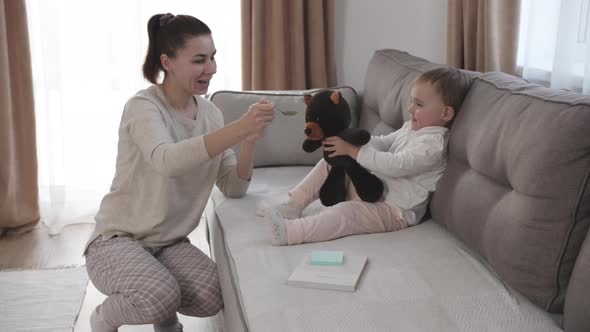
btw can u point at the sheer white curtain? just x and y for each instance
(553, 45)
(87, 58)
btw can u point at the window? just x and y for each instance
(86, 59)
(553, 43)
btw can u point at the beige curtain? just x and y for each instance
(288, 44)
(482, 35)
(19, 202)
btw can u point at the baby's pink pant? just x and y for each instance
(352, 216)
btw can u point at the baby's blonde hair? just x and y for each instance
(450, 83)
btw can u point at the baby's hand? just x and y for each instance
(340, 147)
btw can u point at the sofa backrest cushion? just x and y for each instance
(516, 184)
(386, 95)
(576, 316)
(289, 129)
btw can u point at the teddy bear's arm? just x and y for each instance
(355, 136)
(311, 145)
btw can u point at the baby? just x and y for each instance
(409, 161)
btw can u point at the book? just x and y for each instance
(343, 277)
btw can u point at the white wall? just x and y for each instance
(417, 27)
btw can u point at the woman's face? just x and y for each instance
(194, 65)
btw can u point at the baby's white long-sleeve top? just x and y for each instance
(410, 163)
(164, 174)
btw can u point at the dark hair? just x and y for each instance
(168, 33)
(450, 83)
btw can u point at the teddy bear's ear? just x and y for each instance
(307, 99)
(335, 97)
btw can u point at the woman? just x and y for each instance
(173, 147)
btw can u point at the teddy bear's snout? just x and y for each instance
(313, 131)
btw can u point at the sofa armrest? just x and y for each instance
(282, 142)
(576, 316)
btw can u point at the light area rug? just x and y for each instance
(41, 300)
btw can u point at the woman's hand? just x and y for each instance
(340, 147)
(252, 138)
(258, 117)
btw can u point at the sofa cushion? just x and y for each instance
(577, 302)
(386, 98)
(516, 184)
(418, 279)
(287, 150)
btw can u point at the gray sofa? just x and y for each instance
(506, 247)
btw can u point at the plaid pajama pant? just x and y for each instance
(149, 285)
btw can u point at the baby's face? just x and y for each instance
(427, 107)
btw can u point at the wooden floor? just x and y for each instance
(38, 250)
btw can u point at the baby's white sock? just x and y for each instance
(277, 226)
(97, 322)
(288, 208)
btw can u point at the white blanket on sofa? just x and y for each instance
(417, 279)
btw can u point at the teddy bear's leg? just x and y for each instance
(333, 191)
(368, 186)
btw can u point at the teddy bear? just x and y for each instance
(328, 114)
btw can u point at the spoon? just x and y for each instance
(288, 113)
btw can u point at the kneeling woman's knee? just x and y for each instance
(159, 301)
(205, 294)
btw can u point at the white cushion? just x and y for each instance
(282, 143)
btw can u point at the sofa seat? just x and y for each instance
(418, 279)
